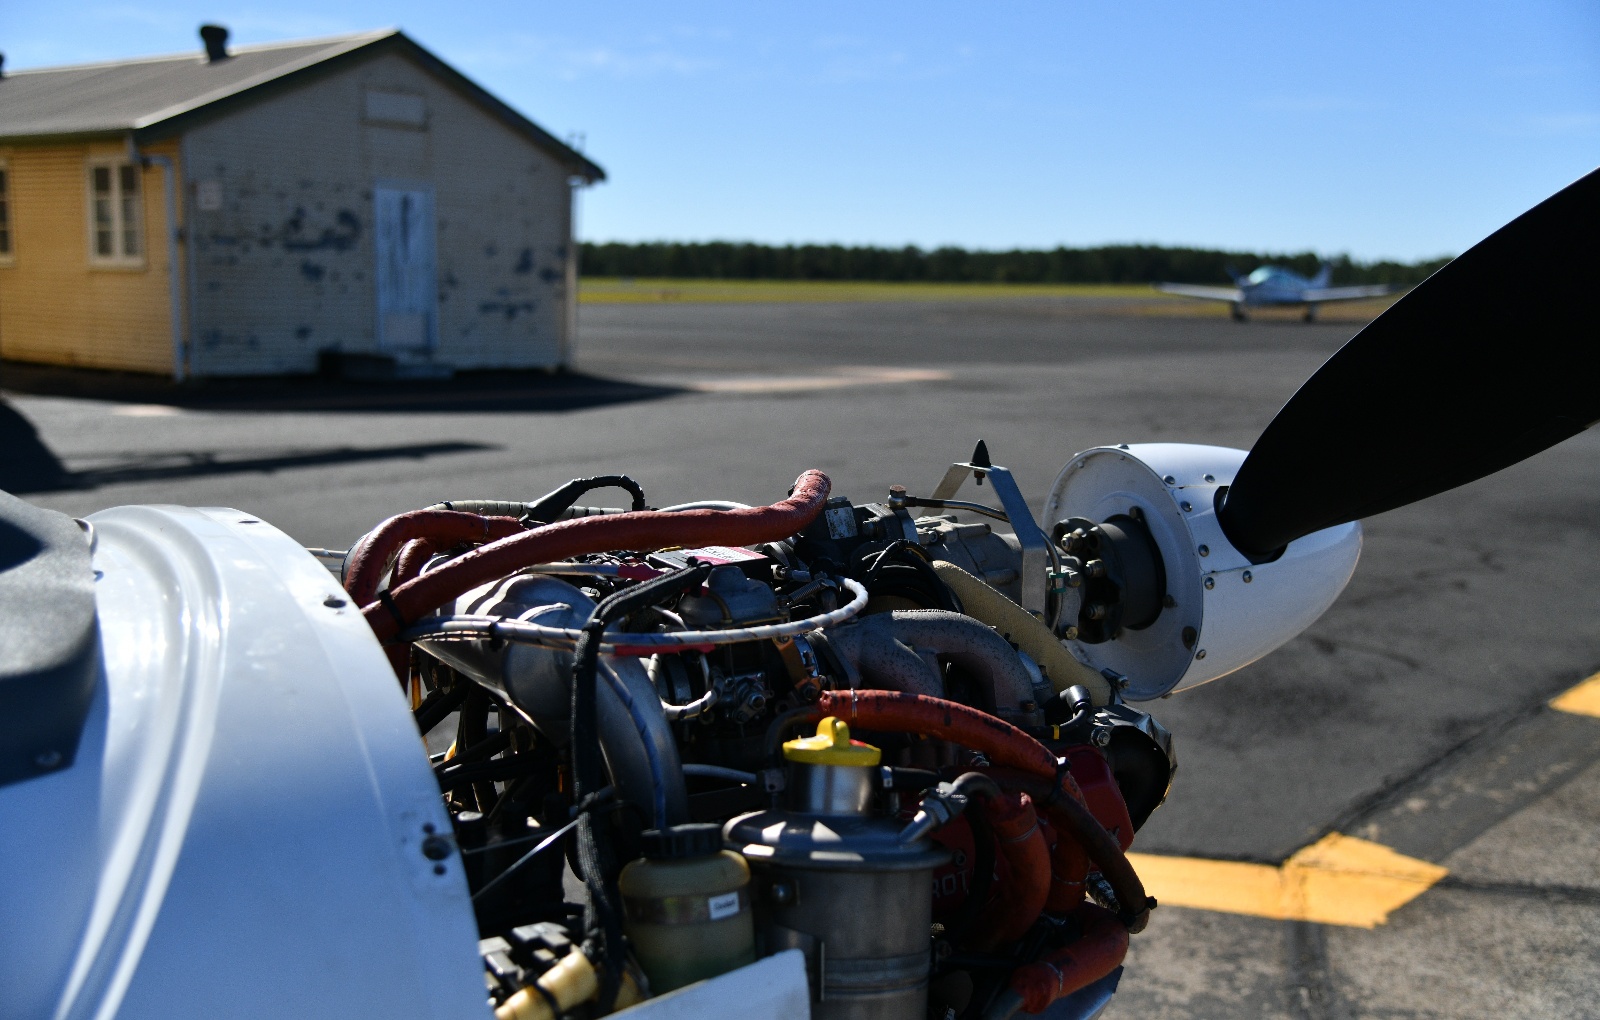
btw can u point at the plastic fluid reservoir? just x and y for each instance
(687, 907)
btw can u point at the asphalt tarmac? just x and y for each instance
(1414, 714)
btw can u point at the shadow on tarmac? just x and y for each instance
(28, 465)
(503, 390)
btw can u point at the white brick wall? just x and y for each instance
(285, 267)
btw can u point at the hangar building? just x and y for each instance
(253, 211)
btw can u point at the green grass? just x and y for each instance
(612, 290)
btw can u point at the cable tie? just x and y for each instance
(544, 993)
(1063, 772)
(387, 601)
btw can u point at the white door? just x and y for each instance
(408, 292)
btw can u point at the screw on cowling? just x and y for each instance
(436, 848)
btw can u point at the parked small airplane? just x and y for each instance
(1275, 285)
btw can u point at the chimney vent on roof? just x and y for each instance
(216, 40)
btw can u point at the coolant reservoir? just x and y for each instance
(688, 907)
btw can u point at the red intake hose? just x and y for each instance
(1098, 952)
(440, 528)
(643, 529)
(1004, 745)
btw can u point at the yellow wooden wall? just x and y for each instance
(55, 308)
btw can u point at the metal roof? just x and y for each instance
(156, 97)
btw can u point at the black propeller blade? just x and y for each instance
(1490, 360)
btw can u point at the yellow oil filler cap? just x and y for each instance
(831, 746)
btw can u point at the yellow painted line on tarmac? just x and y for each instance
(803, 383)
(1337, 880)
(1583, 699)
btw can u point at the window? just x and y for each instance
(116, 213)
(5, 213)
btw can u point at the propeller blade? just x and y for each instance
(1490, 360)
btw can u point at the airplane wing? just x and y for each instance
(1197, 291)
(1347, 293)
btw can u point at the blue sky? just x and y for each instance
(1391, 129)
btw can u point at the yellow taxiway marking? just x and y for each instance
(801, 383)
(1336, 880)
(1583, 699)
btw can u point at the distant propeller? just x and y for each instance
(1490, 360)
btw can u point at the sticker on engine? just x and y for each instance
(713, 554)
(722, 906)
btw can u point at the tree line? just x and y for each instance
(1115, 263)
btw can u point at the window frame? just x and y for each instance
(119, 259)
(8, 216)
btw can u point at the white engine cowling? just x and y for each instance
(1223, 611)
(250, 826)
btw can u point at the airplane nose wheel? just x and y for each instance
(1311, 313)
(1238, 312)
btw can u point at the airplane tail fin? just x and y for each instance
(1324, 275)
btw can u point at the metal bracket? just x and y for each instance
(1036, 559)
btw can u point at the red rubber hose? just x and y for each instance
(1008, 747)
(443, 528)
(644, 529)
(1069, 863)
(1098, 952)
(1091, 838)
(1020, 901)
(893, 711)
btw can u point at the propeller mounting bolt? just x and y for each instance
(1247, 577)
(1096, 611)
(1095, 568)
(1169, 480)
(1211, 478)
(1187, 506)
(1211, 583)
(1205, 550)
(1200, 654)
(1071, 633)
